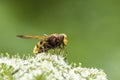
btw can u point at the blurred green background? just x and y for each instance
(92, 26)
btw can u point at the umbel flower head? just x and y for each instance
(45, 67)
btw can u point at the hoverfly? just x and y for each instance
(53, 41)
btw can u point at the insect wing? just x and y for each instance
(31, 37)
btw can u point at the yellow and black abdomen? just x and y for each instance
(40, 47)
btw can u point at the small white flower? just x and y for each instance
(85, 73)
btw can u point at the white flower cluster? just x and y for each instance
(47, 67)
